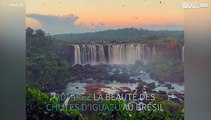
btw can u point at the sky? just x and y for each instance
(79, 16)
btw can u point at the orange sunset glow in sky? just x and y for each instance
(93, 15)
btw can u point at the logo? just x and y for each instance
(194, 5)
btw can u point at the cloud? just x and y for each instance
(64, 24)
(33, 23)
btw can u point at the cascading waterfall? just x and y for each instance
(183, 52)
(101, 54)
(127, 53)
(77, 54)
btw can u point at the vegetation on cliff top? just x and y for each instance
(123, 35)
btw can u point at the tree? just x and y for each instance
(40, 32)
(44, 68)
(36, 102)
(29, 31)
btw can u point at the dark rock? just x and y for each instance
(161, 82)
(177, 100)
(140, 87)
(168, 85)
(150, 86)
(179, 95)
(162, 92)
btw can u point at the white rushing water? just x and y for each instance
(112, 53)
(112, 87)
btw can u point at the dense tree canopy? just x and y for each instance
(44, 68)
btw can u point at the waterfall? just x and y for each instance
(127, 53)
(183, 52)
(101, 54)
(77, 54)
(93, 54)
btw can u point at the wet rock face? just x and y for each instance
(169, 86)
(161, 82)
(150, 87)
(140, 87)
(162, 92)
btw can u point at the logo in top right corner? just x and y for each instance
(194, 5)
